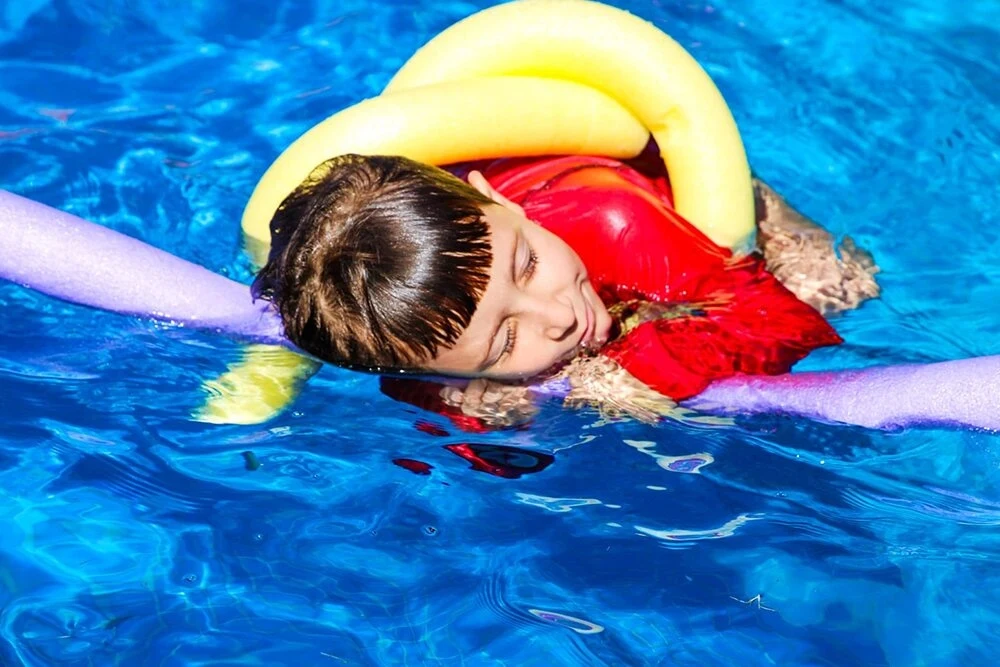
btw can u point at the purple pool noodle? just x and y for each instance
(78, 261)
(81, 262)
(950, 393)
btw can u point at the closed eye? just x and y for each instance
(508, 346)
(526, 273)
(529, 270)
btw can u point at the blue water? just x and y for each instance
(135, 535)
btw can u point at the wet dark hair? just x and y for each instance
(377, 262)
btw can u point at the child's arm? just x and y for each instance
(804, 257)
(595, 381)
(601, 383)
(496, 404)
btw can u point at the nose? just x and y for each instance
(556, 318)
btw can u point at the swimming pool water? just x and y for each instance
(134, 535)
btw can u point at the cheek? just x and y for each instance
(562, 264)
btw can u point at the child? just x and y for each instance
(386, 264)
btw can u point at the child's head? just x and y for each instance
(386, 263)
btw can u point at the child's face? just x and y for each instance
(538, 309)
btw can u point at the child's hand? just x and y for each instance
(803, 256)
(601, 383)
(495, 403)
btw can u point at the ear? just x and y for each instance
(479, 182)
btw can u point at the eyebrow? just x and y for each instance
(486, 362)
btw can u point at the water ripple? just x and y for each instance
(134, 534)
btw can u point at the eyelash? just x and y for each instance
(532, 264)
(511, 328)
(511, 339)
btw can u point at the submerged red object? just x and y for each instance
(426, 395)
(502, 460)
(414, 466)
